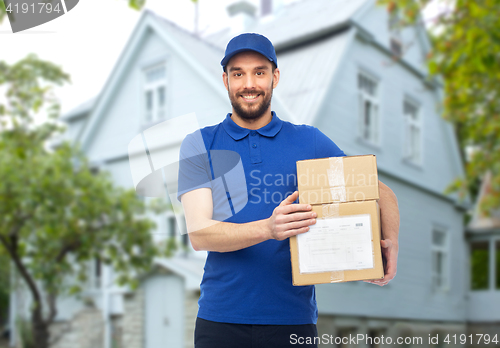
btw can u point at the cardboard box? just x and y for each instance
(338, 179)
(344, 244)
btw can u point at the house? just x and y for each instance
(346, 68)
(483, 237)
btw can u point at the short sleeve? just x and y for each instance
(194, 165)
(325, 147)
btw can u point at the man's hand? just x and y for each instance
(390, 259)
(389, 224)
(290, 219)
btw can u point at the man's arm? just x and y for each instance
(207, 234)
(389, 216)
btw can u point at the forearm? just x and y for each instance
(226, 236)
(389, 214)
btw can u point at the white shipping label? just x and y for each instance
(336, 244)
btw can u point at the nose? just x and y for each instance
(249, 81)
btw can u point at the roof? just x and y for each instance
(81, 110)
(190, 268)
(290, 27)
(293, 25)
(481, 223)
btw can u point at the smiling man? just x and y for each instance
(247, 297)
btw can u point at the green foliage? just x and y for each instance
(56, 214)
(466, 54)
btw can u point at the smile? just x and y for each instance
(250, 97)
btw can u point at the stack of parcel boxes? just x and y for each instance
(344, 244)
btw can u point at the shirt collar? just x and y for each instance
(236, 132)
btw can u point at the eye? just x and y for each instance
(260, 73)
(237, 74)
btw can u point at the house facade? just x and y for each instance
(346, 68)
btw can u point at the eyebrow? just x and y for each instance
(261, 67)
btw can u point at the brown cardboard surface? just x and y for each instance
(338, 179)
(343, 209)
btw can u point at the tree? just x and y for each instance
(466, 54)
(55, 213)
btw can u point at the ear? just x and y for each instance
(276, 77)
(225, 80)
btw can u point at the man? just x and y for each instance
(247, 297)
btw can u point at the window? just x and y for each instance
(172, 227)
(173, 231)
(413, 134)
(344, 334)
(395, 32)
(439, 259)
(480, 265)
(374, 339)
(368, 108)
(497, 263)
(155, 93)
(95, 272)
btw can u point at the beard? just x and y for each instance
(251, 112)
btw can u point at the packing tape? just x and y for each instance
(336, 179)
(330, 210)
(336, 276)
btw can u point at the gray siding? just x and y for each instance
(338, 117)
(410, 295)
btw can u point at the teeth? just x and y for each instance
(249, 96)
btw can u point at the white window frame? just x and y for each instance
(153, 86)
(440, 282)
(370, 133)
(413, 146)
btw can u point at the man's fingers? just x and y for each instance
(292, 232)
(386, 243)
(292, 208)
(298, 217)
(290, 199)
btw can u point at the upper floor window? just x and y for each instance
(440, 259)
(413, 133)
(155, 92)
(395, 41)
(368, 108)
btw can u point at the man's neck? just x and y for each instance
(252, 124)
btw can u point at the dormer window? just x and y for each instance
(395, 40)
(155, 93)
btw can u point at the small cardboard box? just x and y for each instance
(349, 210)
(338, 179)
(344, 244)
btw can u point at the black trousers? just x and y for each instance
(211, 334)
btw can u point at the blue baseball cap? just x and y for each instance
(249, 42)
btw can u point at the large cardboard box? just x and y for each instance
(344, 244)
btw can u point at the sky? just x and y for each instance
(87, 41)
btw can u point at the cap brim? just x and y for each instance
(226, 59)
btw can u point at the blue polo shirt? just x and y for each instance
(252, 285)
